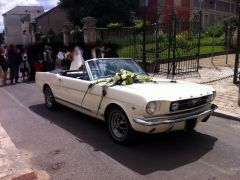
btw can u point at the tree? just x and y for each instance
(105, 11)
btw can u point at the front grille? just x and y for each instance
(191, 103)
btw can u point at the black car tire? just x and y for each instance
(50, 101)
(119, 126)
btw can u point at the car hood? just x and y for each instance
(167, 90)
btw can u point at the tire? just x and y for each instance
(50, 101)
(119, 126)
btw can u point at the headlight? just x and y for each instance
(174, 106)
(151, 107)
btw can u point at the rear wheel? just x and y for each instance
(49, 98)
(119, 126)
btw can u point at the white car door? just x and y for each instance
(77, 91)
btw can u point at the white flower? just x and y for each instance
(124, 76)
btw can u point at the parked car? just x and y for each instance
(143, 104)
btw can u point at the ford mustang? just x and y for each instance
(119, 92)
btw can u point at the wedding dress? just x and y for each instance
(78, 60)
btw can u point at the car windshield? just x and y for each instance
(103, 68)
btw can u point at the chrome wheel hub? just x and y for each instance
(49, 97)
(119, 125)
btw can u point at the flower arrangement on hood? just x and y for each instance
(124, 77)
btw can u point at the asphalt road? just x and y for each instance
(69, 145)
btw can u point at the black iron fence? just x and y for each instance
(236, 68)
(170, 47)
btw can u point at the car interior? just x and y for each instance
(76, 74)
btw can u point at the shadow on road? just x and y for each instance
(152, 153)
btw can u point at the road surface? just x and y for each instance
(69, 145)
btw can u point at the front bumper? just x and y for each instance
(200, 116)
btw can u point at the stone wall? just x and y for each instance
(54, 19)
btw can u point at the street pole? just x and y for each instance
(213, 38)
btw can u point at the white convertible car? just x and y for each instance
(119, 92)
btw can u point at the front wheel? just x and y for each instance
(49, 98)
(119, 127)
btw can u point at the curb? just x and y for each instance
(227, 115)
(11, 162)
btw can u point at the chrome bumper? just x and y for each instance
(203, 116)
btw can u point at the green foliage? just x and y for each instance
(76, 34)
(182, 40)
(124, 77)
(138, 24)
(76, 30)
(105, 11)
(218, 30)
(115, 25)
(207, 41)
(233, 22)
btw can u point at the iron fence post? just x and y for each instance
(157, 45)
(144, 40)
(134, 43)
(199, 38)
(235, 79)
(174, 43)
(170, 41)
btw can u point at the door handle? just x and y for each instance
(59, 79)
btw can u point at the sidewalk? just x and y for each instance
(11, 164)
(227, 92)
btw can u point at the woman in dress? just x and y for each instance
(78, 60)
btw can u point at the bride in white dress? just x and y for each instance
(78, 60)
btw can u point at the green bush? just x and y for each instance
(114, 25)
(182, 41)
(76, 35)
(218, 30)
(139, 24)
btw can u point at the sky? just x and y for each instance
(6, 5)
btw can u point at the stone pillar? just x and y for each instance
(89, 30)
(66, 33)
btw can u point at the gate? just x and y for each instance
(170, 47)
(178, 52)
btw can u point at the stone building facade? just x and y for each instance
(54, 19)
(17, 28)
(159, 10)
(222, 10)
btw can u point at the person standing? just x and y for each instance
(38, 65)
(25, 67)
(14, 59)
(4, 66)
(47, 59)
